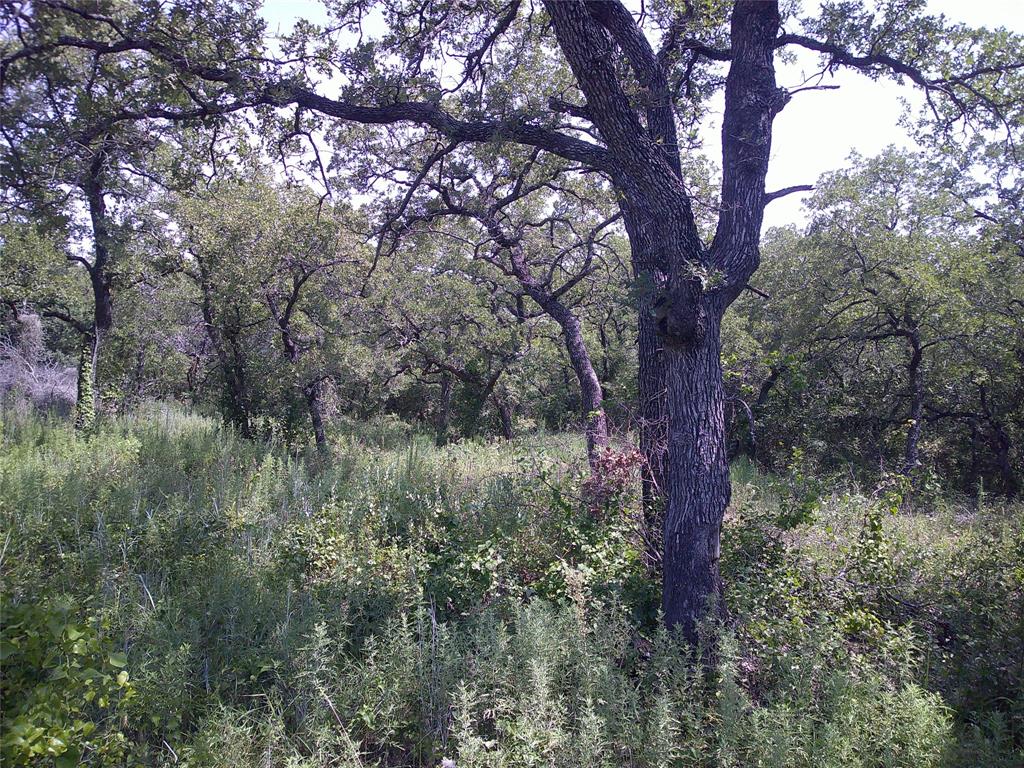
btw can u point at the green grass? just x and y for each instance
(403, 603)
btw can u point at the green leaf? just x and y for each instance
(69, 759)
(118, 660)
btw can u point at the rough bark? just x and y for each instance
(505, 415)
(651, 273)
(698, 483)
(698, 489)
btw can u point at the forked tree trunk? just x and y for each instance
(312, 392)
(702, 281)
(480, 398)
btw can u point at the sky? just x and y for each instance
(817, 130)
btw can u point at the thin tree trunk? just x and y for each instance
(98, 270)
(749, 441)
(316, 416)
(596, 423)
(592, 398)
(755, 410)
(444, 410)
(911, 455)
(1001, 446)
(140, 375)
(238, 390)
(293, 354)
(235, 397)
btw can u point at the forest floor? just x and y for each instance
(173, 594)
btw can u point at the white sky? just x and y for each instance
(817, 131)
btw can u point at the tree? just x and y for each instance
(265, 257)
(874, 334)
(446, 326)
(904, 261)
(541, 228)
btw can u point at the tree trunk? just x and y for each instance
(98, 270)
(482, 396)
(911, 455)
(592, 398)
(698, 489)
(651, 274)
(1001, 446)
(596, 424)
(225, 343)
(240, 411)
(505, 414)
(316, 416)
(702, 281)
(293, 354)
(757, 409)
(444, 410)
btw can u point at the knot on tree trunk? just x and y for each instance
(681, 318)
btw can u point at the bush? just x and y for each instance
(63, 689)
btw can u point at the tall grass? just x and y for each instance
(404, 604)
